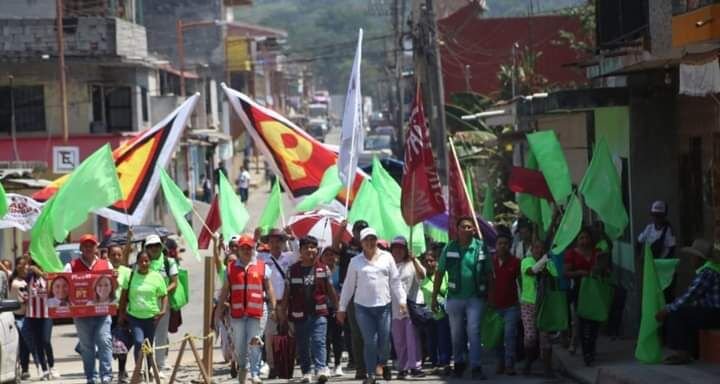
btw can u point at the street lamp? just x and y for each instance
(180, 27)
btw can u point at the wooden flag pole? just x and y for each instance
(412, 211)
(465, 191)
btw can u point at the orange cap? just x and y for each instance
(246, 241)
(88, 238)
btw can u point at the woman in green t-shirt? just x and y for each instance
(143, 302)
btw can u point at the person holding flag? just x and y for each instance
(470, 276)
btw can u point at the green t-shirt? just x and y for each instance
(144, 293)
(158, 265)
(123, 274)
(528, 283)
(426, 286)
(463, 286)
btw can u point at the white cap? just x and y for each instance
(152, 240)
(367, 232)
(658, 207)
(399, 240)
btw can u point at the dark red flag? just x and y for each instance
(530, 181)
(459, 203)
(212, 221)
(421, 190)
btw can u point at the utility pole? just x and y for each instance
(61, 69)
(13, 128)
(428, 70)
(181, 54)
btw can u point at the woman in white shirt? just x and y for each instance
(404, 334)
(372, 278)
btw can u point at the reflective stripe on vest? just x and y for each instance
(298, 306)
(247, 297)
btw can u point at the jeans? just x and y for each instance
(255, 354)
(506, 351)
(37, 333)
(94, 332)
(24, 354)
(141, 329)
(465, 316)
(334, 340)
(588, 330)
(162, 338)
(244, 329)
(407, 344)
(356, 340)
(310, 336)
(374, 323)
(438, 341)
(243, 194)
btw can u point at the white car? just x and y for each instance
(9, 342)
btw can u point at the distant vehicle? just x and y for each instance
(318, 111)
(67, 252)
(385, 130)
(376, 145)
(317, 130)
(377, 119)
(9, 342)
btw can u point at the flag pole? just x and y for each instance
(465, 191)
(201, 220)
(412, 211)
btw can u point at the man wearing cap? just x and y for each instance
(93, 332)
(246, 286)
(372, 283)
(469, 271)
(658, 234)
(278, 261)
(353, 337)
(308, 289)
(698, 308)
(168, 268)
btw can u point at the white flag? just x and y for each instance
(22, 212)
(352, 137)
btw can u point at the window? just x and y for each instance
(29, 109)
(112, 109)
(144, 103)
(683, 6)
(619, 22)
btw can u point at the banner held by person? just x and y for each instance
(73, 295)
(459, 204)
(273, 210)
(137, 163)
(233, 214)
(210, 226)
(21, 213)
(352, 135)
(329, 187)
(294, 156)
(92, 185)
(3, 202)
(551, 161)
(421, 190)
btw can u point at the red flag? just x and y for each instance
(212, 221)
(532, 182)
(421, 190)
(458, 197)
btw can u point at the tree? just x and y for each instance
(527, 79)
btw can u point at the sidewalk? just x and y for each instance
(616, 364)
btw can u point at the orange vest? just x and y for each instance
(298, 308)
(77, 266)
(247, 295)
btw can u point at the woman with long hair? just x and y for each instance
(18, 291)
(404, 334)
(38, 324)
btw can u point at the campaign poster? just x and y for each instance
(82, 294)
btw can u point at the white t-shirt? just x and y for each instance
(243, 180)
(277, 279)
(411, 285)
(651, 234)
(372, 282)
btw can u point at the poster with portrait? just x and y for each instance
(82, 294)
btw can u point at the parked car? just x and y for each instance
(376, 145)
(9, 342)
(67, 252)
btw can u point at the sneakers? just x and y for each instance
(417, 372)
(402, 375)
(25, 376)
(323, 375)
(306, 378)
(54, 374)
(387, 373)
(45, 376)
(162, 375)
(256, 379)
(338, 371)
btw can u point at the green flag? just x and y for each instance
(366, 207)
(551, 159)
(665, 270)
(233, 215)
(469, 185)
(570, 225)
(488, 212)
(329, 187)
(602, 191)
(3, 202)
(648, 348)
(273, 209)
(92, 185)
(179, 206)
(437, 234)
(546, 215)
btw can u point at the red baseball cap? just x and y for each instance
(246, 241)
(88, 238)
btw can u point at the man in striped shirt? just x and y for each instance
(93, 332)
